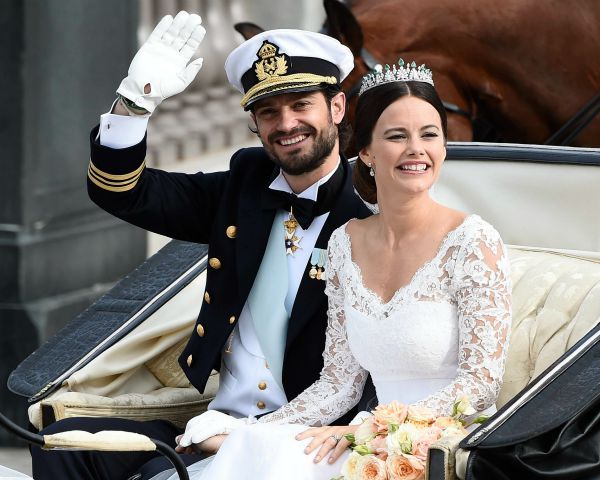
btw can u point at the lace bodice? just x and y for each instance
(442, 335)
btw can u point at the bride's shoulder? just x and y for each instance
(346, 235)
(479, 231)
(351, 232)
(357, 227)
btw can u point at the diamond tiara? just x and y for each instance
(396, 73)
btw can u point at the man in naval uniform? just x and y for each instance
(266, 221)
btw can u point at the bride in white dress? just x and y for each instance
(419, 297)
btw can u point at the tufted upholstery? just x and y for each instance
(556, 300)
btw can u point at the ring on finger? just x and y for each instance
(336, 438)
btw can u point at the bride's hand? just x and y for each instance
(330, 439)
(211, 445)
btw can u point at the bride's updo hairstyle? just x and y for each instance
(371, 105)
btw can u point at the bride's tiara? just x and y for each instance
(396, 73)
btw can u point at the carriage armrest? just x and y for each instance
(441, 459)
(107, 441)
(113, 441)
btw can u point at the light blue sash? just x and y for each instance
(267, 300)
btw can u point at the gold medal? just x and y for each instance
(290, 238)
(291, 224)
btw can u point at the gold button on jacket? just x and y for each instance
(231, 231)
(262, 385)
(190, 359)
(215, 263)
(260, 404)
(206, 297)
(232, 320)
(200, 330)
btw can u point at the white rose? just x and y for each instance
(350, 467)
(365, 432)
(401, 440)
(463, 406)
(453, 432)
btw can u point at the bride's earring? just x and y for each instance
(371, 170)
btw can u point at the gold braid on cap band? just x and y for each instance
(295, 78)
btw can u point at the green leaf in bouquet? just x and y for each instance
(455, 409)
(392, 427)
(480, 419)
(350, 437)
(362, 450)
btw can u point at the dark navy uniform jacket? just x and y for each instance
(223, 210)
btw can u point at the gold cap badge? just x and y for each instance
(270, 64)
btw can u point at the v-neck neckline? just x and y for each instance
(441, 249)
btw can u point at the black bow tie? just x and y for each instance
(303, 209)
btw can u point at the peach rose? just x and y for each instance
(420, 414)
(450, 426)
(371, 468)
(404, 467)
(445, 422)
(425, 437)
(393, 412)
(350, 467)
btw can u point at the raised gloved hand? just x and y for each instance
(209, 424)
(160, 68)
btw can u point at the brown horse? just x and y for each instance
(521, 67)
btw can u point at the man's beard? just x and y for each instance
(296, 164)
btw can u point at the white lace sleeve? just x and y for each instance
(342, 380)
(482, 289)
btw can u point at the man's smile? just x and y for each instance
(292, 141)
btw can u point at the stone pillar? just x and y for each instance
(61, 63)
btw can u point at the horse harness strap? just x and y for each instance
(576, 124)
(453, 108)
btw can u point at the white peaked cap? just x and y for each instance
(283, 61)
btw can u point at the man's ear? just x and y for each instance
(338, 107)
(253, 126)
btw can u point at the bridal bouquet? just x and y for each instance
(393, 443)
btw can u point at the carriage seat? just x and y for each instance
(556, 301)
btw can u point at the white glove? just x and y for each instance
(162, 61)
(209, 424)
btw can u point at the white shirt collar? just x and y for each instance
(280, 183)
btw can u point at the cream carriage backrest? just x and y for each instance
(535, 204)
